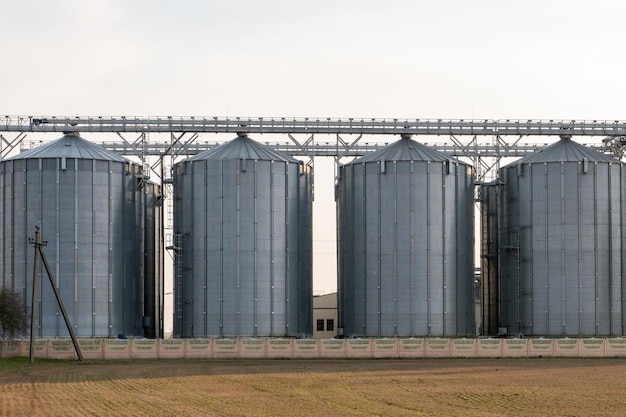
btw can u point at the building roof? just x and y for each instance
(70, 146)
(405, 149)
(243, 147)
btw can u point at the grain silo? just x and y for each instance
(85, 199)
(562, 241)
(405, 238)
(242, 228)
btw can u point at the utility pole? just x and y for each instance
(39, 253)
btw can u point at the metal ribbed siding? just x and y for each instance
(149, 210)
(405, 248)
(490, 195)
(85, 208)
(244, 263)
(562, 255)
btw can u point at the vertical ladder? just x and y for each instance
(178, 280)
(515, 245)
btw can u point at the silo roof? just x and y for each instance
(243, 147)
(70, 146)
(406, 150)
(565, 150)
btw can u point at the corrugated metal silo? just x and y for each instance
(84, 198)
(562, 257)
(405, 228)
(243, 241)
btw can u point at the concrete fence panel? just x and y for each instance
(566, 348)
(253, 348)
(279, 348)
(306, 348)
(463, 348)
(10, 349)
(385, 348)
(514, 348)
(437, 348)
(117, 349)
(411, 348)
(332, 348)
(171, 348)
(144, 349)
(592, 348)
(40, 351)
(359, 348)
(615, 347)
(540, 348)
(198, 349)
(489, 348)
(226, 348)
(62, 349)
(94, 349)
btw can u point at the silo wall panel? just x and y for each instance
(490, 227)
(436, 249)
(279, 250)
(388, 276)
(230, 256)
(570, 232)
(352, 246)
(212, 270)
(19, 243)
(197, 292)
(245, 248)
(372, 249)
(588, 267)
(101, 243)
(347, 270)
(403, 241)
(461, 243)
(621, 294)
(301, 250)
(421, 245)
(150, 205)
(183, 225)
(410, 279)
(293, 229)
(64, 198)
(6, 198)
(618, 224)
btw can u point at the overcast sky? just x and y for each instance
(437, 59)
(490, 59)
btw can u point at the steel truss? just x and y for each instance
(466, 138)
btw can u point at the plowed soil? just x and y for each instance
(441, 387)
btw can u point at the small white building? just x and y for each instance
(325, 316)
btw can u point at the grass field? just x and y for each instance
(423, 387)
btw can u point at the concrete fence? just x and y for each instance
(108, 349)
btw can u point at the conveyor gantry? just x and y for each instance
(312, 125)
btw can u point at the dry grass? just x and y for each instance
(424, 387)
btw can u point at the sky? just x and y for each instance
(548, 59)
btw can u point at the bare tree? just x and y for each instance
(13, 317)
